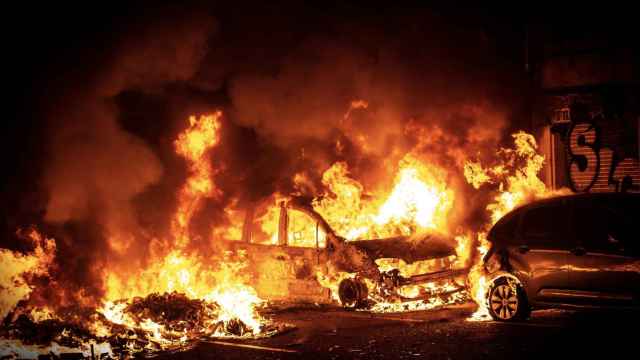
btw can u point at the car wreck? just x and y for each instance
(287, 263)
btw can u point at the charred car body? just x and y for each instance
(286, 265)
(570, 251)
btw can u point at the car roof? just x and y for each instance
(560, 198)
(571, 197)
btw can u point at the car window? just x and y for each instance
(505, 230)
(544, 227)
(606, 225)
(628, 215)
(304, 231)
(266, 219)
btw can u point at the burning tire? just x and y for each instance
(507, 300)
(353, 293)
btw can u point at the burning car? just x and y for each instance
(301, 250)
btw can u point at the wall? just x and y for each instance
(595, 141)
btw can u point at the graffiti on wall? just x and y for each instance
(597, 165)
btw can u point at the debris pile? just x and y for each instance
(139, 326)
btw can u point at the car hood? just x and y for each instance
(408, 248)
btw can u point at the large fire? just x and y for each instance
(420, 200)
(181, 295)
(215, 297)
(178, 270)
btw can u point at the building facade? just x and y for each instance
(586, 114)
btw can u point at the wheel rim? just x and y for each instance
(504, 302)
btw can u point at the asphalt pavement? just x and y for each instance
(332, 333)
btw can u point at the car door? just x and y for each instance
(286, 248)
(306, 241)
(268, 269)
(605, 268)
(541, 253)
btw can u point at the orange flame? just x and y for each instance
(193, 144)
(419, 201)
(17, 268)
(222, 286)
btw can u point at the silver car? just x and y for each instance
(572, 251)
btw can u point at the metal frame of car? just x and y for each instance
(358, 257)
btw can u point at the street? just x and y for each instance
(438, 334)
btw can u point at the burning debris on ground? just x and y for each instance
(149, 325)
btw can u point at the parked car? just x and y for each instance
(572, 251)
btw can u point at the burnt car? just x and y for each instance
(287, 262)
(571, 251)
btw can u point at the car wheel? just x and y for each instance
(507, 300)
(352, 293)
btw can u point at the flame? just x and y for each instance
(218, 288)
(419, 201)
(237, 302)
(419, 198)
(221, 287)
(177, 270)
(516, 174)
(432, 302)
(228, 303)
(193, 144)
(427, 296)
(436, 294)
(479, 284)
(16, 269)
(301, 230)
(215, 289)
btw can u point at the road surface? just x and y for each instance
(438, 334)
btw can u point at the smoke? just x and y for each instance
(95, 168)
(424, 92)
(431, 87)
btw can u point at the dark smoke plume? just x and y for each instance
(95, 168)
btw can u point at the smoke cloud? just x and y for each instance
(95, 168)
(424, 93)
(431, 87)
